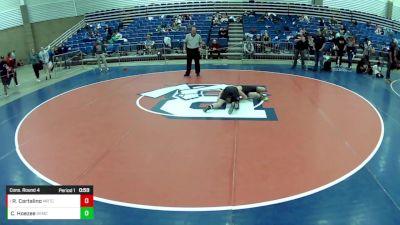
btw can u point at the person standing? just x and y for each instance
(319, 45)
(100, 51)
(392, 60)
(192, 45)
(11, 63)
(301, 45)
(36, 65)
(351, 50)
(5, 79)
(341, 48)
(45, 58)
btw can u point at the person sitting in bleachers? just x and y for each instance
(224, 18)
(203, 50)
(215, 49)
(167, 45)
(306, 19)
(258, 44)
(248, 49)
(321, 22)
(149, 45)
(333, 21)
(120, 38)
(266, 41)
(223, 32)
(378, 30)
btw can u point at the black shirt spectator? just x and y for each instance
(302, 44)
(223, 33)
(361, 67)
(319, 41)
(341, 43)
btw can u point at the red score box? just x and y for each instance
(86, 200)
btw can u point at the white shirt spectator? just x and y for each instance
(167, 42)
(44, 55)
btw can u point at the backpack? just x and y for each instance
(327, 66)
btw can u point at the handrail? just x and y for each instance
(67, 34)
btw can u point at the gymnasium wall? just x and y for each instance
(13, 39)
(47, 31)
(396, 10)
(43, 33)
(10, 14)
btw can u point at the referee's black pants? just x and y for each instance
(192, 54)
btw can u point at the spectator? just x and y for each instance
(340, 49)
(306, 19)
(100, 51)
(120, 25)
(36, 64)
(311, 45)
(319, 47)
(120, 38)
(301, 44)
(333, 21)
(224, 18)
(167, 45)
(362, 66)
(378, 70)
(204, 50)
(393, 63)
(14, 56)
(354, 22)
(11, 63)
(342, 29)
(321, 22)
(378, 30)
(215, 49)
(258, 44)
(368, 50)
(45, 58)
(351, 50)
(149, 44)
(223, 33)
(267, 41)
(248, 49)
(5, 78)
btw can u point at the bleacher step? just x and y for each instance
(235, 39)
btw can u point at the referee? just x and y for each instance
(192, 45)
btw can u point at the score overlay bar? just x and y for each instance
(49, 202)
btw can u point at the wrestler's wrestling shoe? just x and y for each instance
(207, 108)
(231, 108)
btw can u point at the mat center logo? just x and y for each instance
(186, 101)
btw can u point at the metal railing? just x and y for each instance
(67, 60)
(253, 50)
(259, 51)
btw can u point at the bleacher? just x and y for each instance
(137, 31)
(214, 34)
(287, 26)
